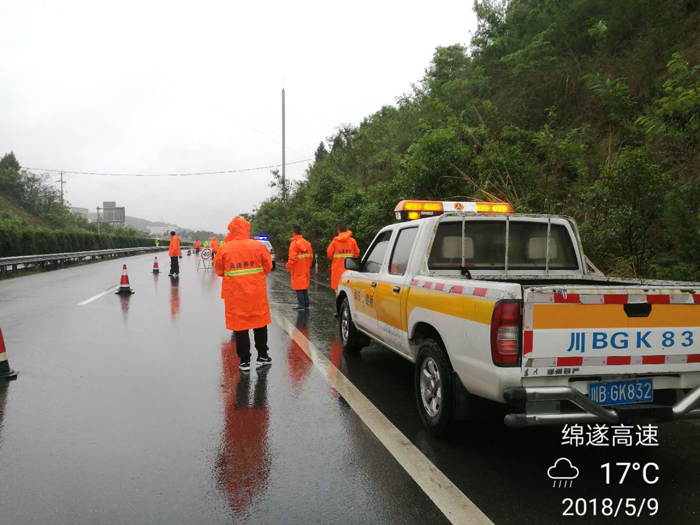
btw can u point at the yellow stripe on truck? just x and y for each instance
(591, 316)
(456, 305)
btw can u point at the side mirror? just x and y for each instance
(352, 264)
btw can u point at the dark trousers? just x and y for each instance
(243, 343)
(302, 298)
(174, 265)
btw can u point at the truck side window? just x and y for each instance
(402, 251)
(375, 257)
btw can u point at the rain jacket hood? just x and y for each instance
(239, 229)
(343, 236)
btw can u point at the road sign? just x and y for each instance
(117, 214)
(204, 261)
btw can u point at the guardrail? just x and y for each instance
(25, 261)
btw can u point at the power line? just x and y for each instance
(165, 174)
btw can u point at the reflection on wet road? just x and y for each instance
(244, 464)
(174, 298)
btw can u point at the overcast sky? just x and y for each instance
(165, 86)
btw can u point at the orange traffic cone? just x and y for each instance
(5, 371)
(155, 266)
(124, 288)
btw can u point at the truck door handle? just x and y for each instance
(397, 289)
(374, 285)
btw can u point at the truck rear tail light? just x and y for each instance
(505, 333)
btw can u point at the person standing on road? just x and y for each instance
(243, 264)
(299, 265)
(174, 253)
(342, 247)
(206, 244)
(197, 246)
(157, 243)
(214, 246)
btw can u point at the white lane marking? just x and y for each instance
(101, 294)
(451, 501)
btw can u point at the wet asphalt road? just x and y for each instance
(132, 410)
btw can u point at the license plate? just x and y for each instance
(621, 392)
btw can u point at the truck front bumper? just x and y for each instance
(590, 412)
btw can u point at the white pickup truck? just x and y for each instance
(493, 305)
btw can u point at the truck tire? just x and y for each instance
(434, 387)
(350, 338)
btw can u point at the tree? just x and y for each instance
(9, 162)
(678, 113)
(625, 210)
(321, 152)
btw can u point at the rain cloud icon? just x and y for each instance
(562, 473)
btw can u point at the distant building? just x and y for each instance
(80, 212)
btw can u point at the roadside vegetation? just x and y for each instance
(33, 220)
(587, 108)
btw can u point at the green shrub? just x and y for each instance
(25, 240)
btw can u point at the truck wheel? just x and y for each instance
(433, 384)
(350, 338)
(274, 265)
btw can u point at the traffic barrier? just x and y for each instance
(189, 252)
(155, 266)
(124, 287)
(6, 372)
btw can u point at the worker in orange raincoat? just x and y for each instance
(342, 247)
(197, 246)
(174, 252)
(299, 265)
(214, 243)
(243, 263)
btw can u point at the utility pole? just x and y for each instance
(62, 183)
(98, 220)
(284, 178)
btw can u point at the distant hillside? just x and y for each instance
(138, 223)
(184, 233)
(9, 208)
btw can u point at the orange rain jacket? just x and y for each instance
(214, 243)
(174, 250)
(243, 264)
(341, 247)
(301, 256)
(197, 245)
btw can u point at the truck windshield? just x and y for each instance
(485, 246)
